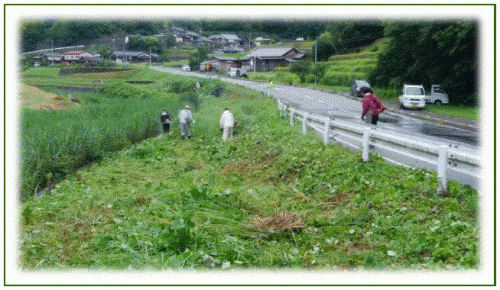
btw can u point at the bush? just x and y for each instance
(107, 63)
(287, 78)
(183, 85)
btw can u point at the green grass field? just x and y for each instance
(272, 198)
(49, 76)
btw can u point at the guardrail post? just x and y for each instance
(304, 123)
(366, 144)
(280, 108)
(326, 131)
(442, 167)
(292, 111)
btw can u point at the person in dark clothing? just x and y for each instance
(372, 106)
(165, 121)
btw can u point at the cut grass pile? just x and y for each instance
(270, 199)
(36, 99)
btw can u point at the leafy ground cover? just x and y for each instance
(270, 199)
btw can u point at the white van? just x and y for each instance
(413, 97)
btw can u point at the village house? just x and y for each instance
(81, 57)
(133, 56)
(218, 63)
(78, 57)
(48, 57)
(223, 40)
(202, 41)
(226, 50)
(258, 41)
(267, 59)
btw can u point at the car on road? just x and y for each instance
(437, 97)
(413, 97)
(356, 85)
(238, 72)
(186, 68)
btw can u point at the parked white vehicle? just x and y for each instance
(413, 97)
(238, 72)
(186, 68)
(437, 96)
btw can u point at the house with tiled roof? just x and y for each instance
(48, 57)
(218, 63)
(81, 57)
(133, 56)
(267, 59)
(222, 40)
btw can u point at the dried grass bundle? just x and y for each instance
(280, 222)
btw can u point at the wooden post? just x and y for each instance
(292, 111)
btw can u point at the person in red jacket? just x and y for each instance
(372, 105)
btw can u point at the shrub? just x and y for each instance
(183, 85)
(287, 78)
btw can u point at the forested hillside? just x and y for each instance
(425, 52)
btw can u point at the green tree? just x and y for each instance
(326, 46)
(145, 43)
(459, 44)
(302, 68)
(103, 50)
(196, 58)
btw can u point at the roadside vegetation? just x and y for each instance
(272, 198)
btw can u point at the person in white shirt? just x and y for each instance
(227, 124)
(185, 117)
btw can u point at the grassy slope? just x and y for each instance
(168, 203)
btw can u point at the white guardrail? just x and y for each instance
(450, 164)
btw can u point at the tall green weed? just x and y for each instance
(56, 143)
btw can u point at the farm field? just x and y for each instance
(272, 198)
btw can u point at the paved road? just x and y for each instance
(416, 124)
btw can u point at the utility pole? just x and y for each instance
(52, 41)
(315, 59)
